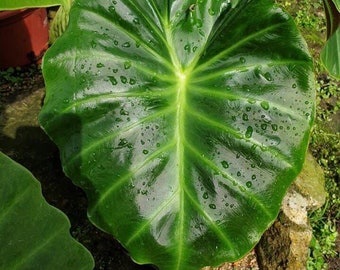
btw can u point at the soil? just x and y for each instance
(22, 139)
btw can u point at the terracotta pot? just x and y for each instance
(23, 36)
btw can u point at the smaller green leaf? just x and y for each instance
(33, 234)
(330, 55)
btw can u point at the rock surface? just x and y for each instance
(285, 245)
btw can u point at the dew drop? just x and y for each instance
(294, 85)
(225, 164)
(100, 65)
(238, 174)
(126, 44)
(123, 79)
(211, 12)
(127, 64)
(263, 126)
(205, 195)
(113, 80)
(123, 112)
(112, 9)
(93, 44)
(245, 117)
(249, 132)
(136, 21)
(268, 76)
(212, 206)
(199, 23)
(274, 127)
(145, 152)
(265, 105)
(249, 184)
(123, 142)
(132, 81)
(242, 60)
(253, 177)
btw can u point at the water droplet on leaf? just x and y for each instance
(249, 132)
(268, 76)
(225, 164)
(126, 44)
(127, 64)
(113, 80)
(242, 60)
(265, 105)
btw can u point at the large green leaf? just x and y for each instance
(33, 234)
(184, 123)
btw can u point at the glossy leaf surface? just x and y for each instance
(184, 123)
(33, 234)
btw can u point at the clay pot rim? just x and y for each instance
(12, 14)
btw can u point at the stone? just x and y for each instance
(285, 244)
(247, 263)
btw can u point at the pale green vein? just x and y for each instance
(211, 222)
(133, 37)
(150, 22)
(147, 222)
(113, 58)
(220, 71)
(156, 10)
(212, 93)
(180, 137)
(235, 46)
(232, 180)
(112, 135)
(105, 98)
(128, 175)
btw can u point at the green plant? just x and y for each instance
(219, 138)
(200, 123)
(34, 235)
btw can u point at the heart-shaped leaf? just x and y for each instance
(33, 234)
(184, 121)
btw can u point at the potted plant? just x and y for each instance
(24, 36)
(179, 123)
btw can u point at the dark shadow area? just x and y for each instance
(32, 148)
